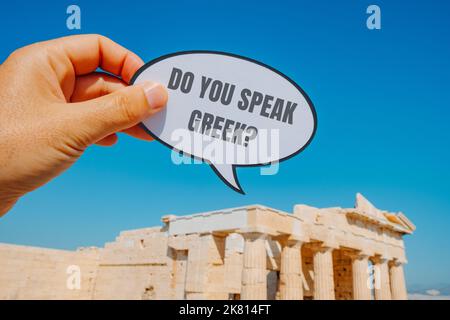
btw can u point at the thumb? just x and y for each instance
(120, 110)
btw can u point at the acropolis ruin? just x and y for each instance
(251, 252)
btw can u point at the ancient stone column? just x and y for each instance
(179, 267)
(361, 287)
(204, 254)
(254, 274)
(323, 273)
(382, 282)
(291, 284)
(398, 286)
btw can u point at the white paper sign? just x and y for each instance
(228, 111)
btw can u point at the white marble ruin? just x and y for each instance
(252, 252)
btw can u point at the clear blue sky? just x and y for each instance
(382, 99)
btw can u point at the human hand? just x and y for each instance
(53, 105)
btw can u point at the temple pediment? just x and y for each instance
(365, 210)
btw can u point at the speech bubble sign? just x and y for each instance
(228, 111)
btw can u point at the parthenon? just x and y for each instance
(247, 253)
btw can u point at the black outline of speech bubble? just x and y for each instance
(179, 53)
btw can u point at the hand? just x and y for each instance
(53, 105)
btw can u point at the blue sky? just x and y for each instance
(382, 99)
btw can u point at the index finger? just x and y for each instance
(88, 52)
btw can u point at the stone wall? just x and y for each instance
(138, 265)
(343, 280)
(38, 273)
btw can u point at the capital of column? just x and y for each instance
(254, 236)
(319, 247)
(357, 255)
(379, 259)
(396, 263)
(289, 241)
(254, 233)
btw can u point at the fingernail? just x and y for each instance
(155, 93)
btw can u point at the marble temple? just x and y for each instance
(252, 252)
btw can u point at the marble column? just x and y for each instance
(204, 252)
(398, 286)
(179, 267)
(254, 274)
(382, 282)
(361, 276)
(291, 285)
(323, 273)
